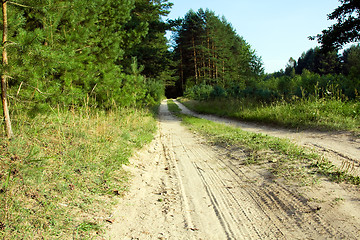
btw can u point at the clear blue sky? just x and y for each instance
(276, 29)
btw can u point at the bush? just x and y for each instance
(199, 92)
(218, 92)
(155, 91)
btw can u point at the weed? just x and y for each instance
(64, 169)
(339, 199)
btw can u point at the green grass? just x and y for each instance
(280, 156)
(320, 114)
(61, 175)
(173, 107)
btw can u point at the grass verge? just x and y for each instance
(285, 159)
(173, 107)
(320, 114)
(61, 175)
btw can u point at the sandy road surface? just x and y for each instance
(185, 189)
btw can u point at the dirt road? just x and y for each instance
(183, 188)
(342, 148)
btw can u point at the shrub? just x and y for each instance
(199, 92)
(218, 92)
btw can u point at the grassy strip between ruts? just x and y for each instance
(313, 113)
(173, 107)
(60, 176)
(286, 158)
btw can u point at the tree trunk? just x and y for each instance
(195, 60)
(204, 64)
(223, 71)
(181, 70)
(216, 65)
(209, 55)
(8, 129)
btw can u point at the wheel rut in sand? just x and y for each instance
(341, 148)
(210, 195)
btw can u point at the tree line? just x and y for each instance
(209, 51)
(325, 70)
(114, 53)
(321, 71)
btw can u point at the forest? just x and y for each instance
(104, 53)
(107, 54)
(81, 82)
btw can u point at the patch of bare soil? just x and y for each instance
(183, 188)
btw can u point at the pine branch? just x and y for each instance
(20, 5)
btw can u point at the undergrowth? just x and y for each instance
(310, 113)
(60, 175)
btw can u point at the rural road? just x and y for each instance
(183, 188)
(342, 148)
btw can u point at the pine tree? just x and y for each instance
(209, 51)
(4, 75)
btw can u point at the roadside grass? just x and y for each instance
(285, 159)
(310, 113)
(173, 107)
(62, 174)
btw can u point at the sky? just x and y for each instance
(275, 29)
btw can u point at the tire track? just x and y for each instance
(272, 197)
(229, 200)
(185, 189)
(342, 149)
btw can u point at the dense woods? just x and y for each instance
(208, 51)
(98, 51)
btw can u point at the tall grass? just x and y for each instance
(314, 113)
(60, 175)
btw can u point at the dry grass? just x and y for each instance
(61, 174)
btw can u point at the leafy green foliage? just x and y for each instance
(199, 92)
(78, 77)
(345, 30)
(83, 52)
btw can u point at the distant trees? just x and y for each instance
(347, 28)
(208, 51)
(318, 61)
(323, 63)
(317, 73)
